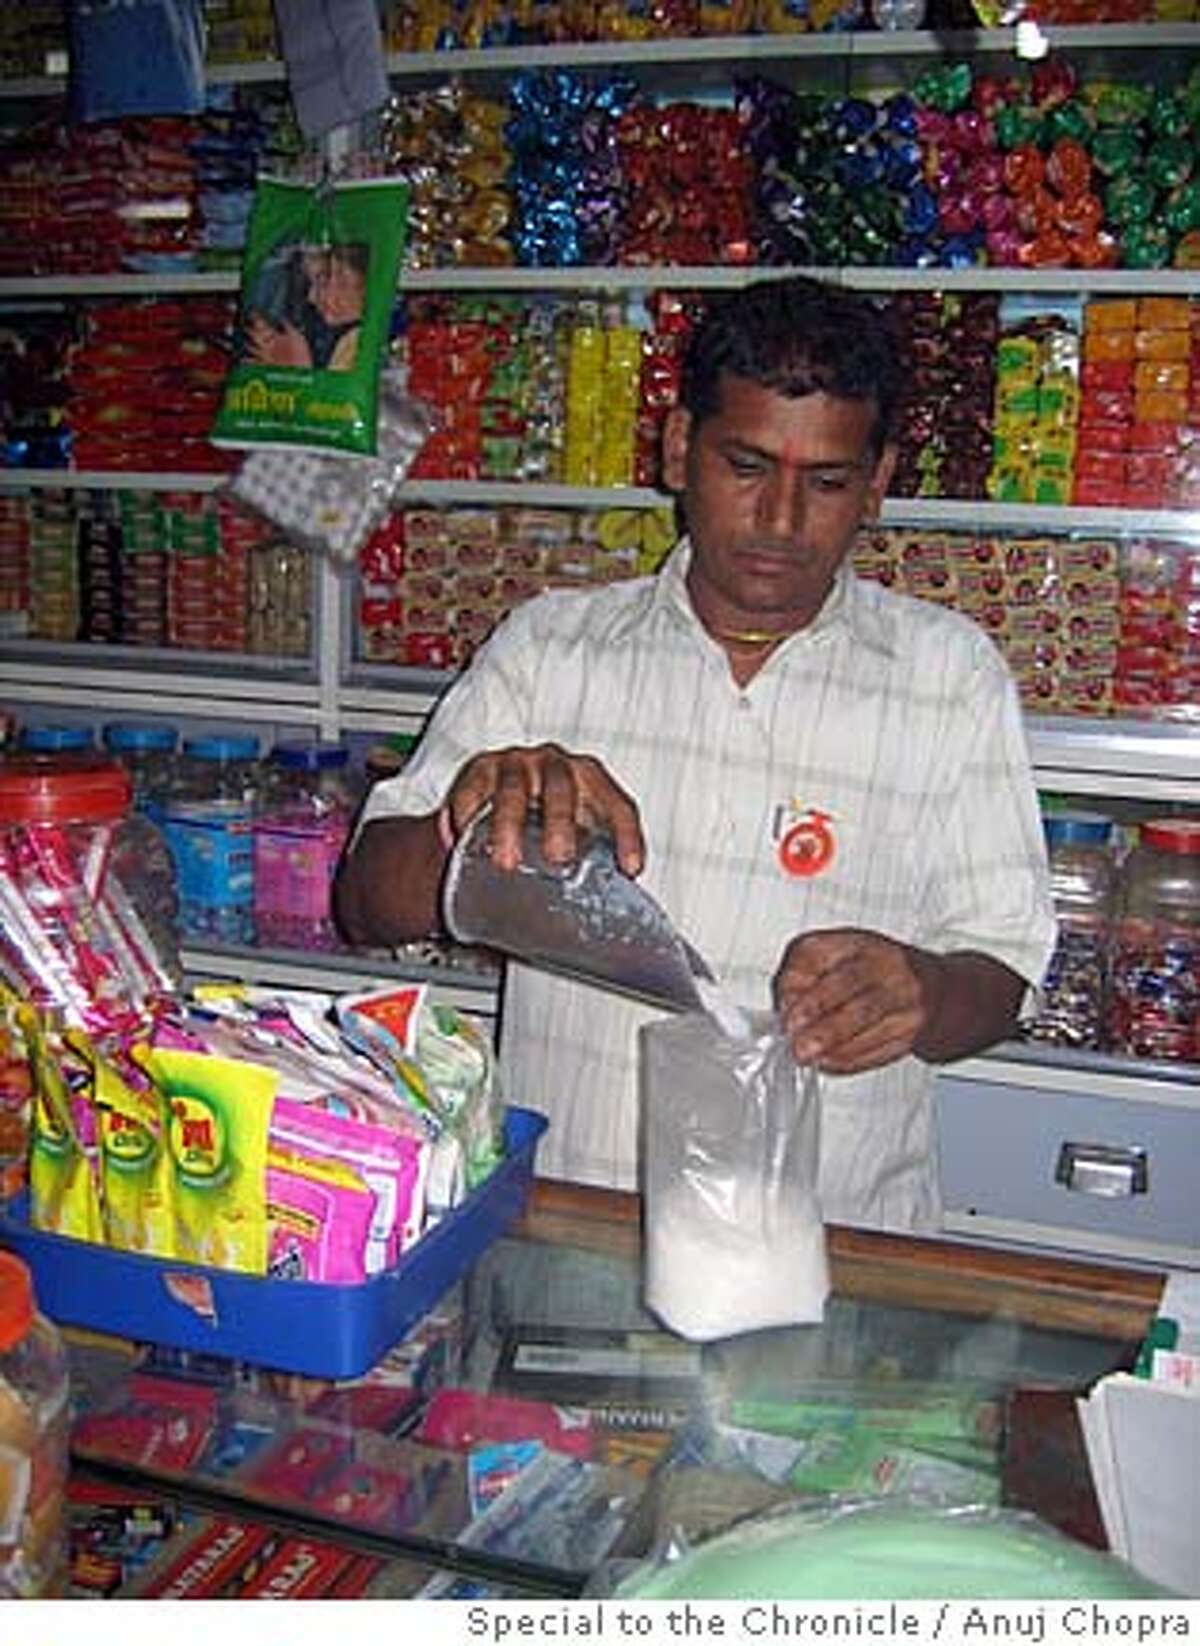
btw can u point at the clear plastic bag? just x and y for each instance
(734, 1237)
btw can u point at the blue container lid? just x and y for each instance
(55, 739)
(1077, 829)
(222, 748)
(135, 737)
(310, 757)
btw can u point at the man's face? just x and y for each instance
(774, 491)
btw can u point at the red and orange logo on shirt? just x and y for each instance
(805, 844)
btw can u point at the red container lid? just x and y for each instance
(16, 1300)
(1180, 835)
(62, 788)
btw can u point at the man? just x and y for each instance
(824, 784)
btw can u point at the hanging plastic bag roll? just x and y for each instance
(331, 504)
(734, 1240)
(318, 285)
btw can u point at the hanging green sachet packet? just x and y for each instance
(318, 284)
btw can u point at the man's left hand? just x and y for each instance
(850, 1000)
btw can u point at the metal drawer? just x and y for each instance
(1081, 1158)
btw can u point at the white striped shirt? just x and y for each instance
(895, 719)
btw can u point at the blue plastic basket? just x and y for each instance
(294, 1325)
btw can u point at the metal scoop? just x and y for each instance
(586, 919)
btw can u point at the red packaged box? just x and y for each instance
(1147, 470)
(364, 1495)
(1155, 437)
(1106, 406)
(214, 1564)
(1143, 497)
(1104, 437)
(1106, 375)
(1096, 494)
(300, 1569)
(1101, 466)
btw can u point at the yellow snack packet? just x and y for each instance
(136, 1176)
(218, 1112)
(64, 1193)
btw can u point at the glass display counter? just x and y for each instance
(543, 1367)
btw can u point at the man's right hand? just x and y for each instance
(387, 887)
(573, 791)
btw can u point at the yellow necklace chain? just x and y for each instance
(748, 637)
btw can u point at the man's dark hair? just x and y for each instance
(797, 336)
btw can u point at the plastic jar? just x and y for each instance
(1083, 879)
(898, 14)
(58, 739)
(209, 826)
(308, 804)
(86, 890)
(147, 753)
(34, 1416)
(1154, 992)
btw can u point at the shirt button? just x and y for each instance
(743, 703)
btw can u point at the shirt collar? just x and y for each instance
(849, 604)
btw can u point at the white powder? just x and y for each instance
(708, 1278)
(725, 1013)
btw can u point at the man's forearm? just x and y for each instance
(972, 1002)
(387, 887)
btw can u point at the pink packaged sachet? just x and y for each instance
(317, 1229)
(393, 1165)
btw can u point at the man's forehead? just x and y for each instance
(736, 391)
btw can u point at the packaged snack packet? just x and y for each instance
(16, 1101)
(64, 1192)
(329, 1080)
(218, 1114)
(457, 1060)
(318, 284)
(392, 1165)
(382, 1024)
(442, 1063)
(135, 1166)
(318, 1219)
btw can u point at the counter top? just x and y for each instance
(938, 1336)
(913, 1271)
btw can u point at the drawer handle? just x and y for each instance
(1099, 1168)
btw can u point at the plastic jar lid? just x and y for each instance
(1180, 835)
(57, 739)
(133, 737)
(1077, 829)
(16, 1300)
(222, 748)
(310, 757)
(62, 788)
